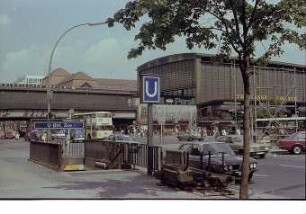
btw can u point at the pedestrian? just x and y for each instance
(203, 133)
(238, 131)
(223, 132)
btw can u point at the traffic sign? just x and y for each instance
(151, 89)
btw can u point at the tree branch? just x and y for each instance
(253, 14)
(237, 24)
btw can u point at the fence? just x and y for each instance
(120, 153)
(58, 156)
(48, 154)
(75, 156)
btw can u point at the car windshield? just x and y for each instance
(78, 133)
(121, 137)
(127, 138)
(217, 148)
(210, 139)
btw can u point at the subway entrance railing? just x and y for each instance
(93, 155)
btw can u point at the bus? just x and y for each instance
(97, 125)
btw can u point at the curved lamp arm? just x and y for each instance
(51, 58)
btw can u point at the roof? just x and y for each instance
(208, 57)
(60, 72)
(117, 84)
(81, 79)
(77, 76)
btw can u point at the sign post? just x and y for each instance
(151, 94)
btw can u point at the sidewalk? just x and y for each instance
(22, 179)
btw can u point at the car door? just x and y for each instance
(236, 143)
(195, 153)
(300, 139)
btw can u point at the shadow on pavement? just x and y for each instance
(139, 186)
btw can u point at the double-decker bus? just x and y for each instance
(98, 125)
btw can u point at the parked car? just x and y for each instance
(122, 138)
(294, 143)
(2, 135)
(216, 157)
(189, 136)
(10, 134)
(58, 134)
(77, 136)
(236, 142)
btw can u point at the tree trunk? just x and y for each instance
(246, 133)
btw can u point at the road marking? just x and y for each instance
(292, 166)
(260, 175)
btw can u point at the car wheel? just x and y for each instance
(190, 139)
(297, 150)
(179, 138)
(240, 152)
(210, 169)
(262, 156)
(250, 176)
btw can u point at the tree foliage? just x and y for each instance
(234, 26)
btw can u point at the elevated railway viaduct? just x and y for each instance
(25, 102)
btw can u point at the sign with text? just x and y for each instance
(151, 89)
(58, 125)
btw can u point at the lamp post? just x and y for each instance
(49, 92)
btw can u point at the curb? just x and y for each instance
(278, 152)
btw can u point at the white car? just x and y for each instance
(121, 138)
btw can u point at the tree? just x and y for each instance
(236, 26)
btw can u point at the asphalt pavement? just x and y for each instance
(22, 179)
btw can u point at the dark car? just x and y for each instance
(216, 157)
(189, 136)
(294, 143)
(78, 136)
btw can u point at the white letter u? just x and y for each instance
(147, 90)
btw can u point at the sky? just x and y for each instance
(30, 28)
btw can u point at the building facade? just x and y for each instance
(31, 80)
(216, 86)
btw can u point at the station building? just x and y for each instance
(211, 87)
(215, 86)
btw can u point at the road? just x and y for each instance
(23, 179)
(279, 177)
(282, 175)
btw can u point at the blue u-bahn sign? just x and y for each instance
(58, 125)
(151, 89)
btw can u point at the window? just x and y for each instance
(195, 150)
(301, 136)
(185, 147)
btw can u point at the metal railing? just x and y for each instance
(49, 154)
(58, 155)
(134, 154)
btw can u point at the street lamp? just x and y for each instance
(49, 92)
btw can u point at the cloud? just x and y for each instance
(106, 53)
(108, 58)
(31, 60)
(4, 21)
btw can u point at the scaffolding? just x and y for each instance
(273, 94)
